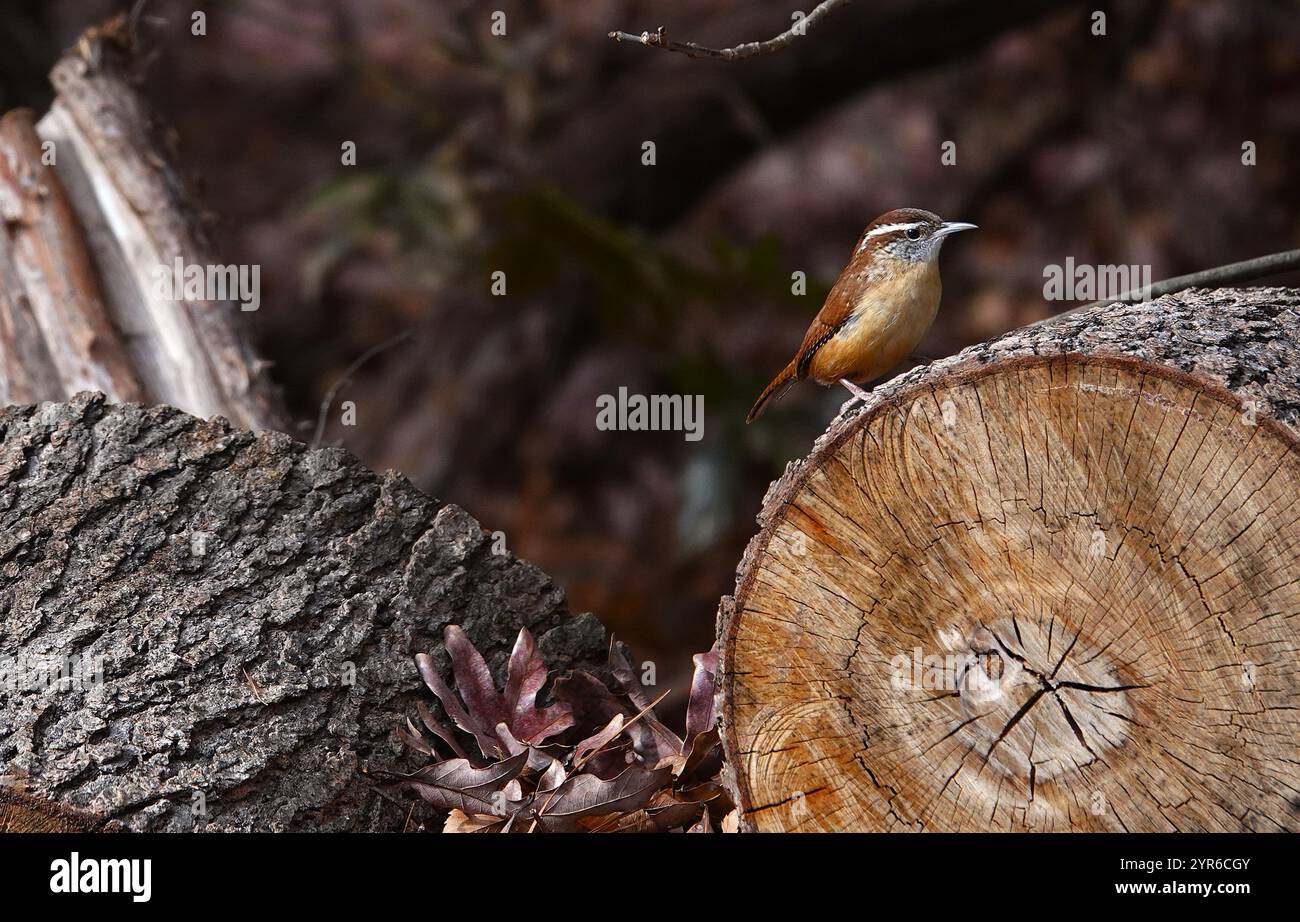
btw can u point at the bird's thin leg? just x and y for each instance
(854, 389)
(857, 392)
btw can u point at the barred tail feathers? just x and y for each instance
(773, 391)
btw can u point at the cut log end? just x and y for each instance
(1046, 594)
(20, 812)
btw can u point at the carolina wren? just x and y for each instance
(879, 308)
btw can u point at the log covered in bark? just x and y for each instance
(200, 628)
(1050, 583)
(252, 607)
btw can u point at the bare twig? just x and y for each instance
(257, 692)
(1247, 269)
(344, 378)
(658, 39)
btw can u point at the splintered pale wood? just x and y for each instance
(1049, 594)
(137, 218)
(55, 326)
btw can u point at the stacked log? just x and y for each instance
(1050, 583)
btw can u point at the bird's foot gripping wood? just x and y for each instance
(859, 395)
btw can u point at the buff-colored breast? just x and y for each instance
(888, 321)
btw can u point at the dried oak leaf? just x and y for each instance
(458, 784)
(498, 721)
(594, 705)
(666, 742)
(525, 784)
(596, 743)
(662, 813)
(459, 821)
(700, 710)
(584, 796)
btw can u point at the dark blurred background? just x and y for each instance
(522, 153)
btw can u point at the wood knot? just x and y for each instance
(1039, 702)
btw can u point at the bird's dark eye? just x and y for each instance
(913, 233)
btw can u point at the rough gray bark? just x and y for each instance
(232, 584)
(906, 526)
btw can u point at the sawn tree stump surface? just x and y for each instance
(1052, 583)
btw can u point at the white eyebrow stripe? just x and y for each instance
(888, 229)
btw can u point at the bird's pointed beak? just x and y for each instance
(952, 227)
